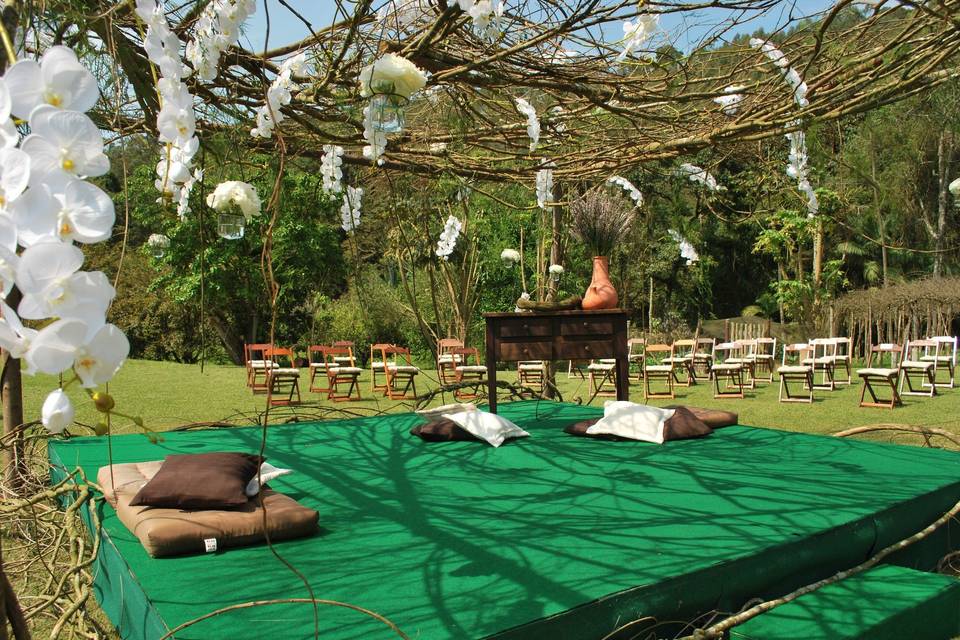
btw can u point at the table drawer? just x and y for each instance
(568, 349)
(526, 350)
(526, 327)
(590, 327)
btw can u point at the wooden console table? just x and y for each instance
(557, 335)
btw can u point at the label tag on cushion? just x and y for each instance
(210, 544)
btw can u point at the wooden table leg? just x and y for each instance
(623, 379)
(491, 370)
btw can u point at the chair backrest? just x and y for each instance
(796, 353)
(766, 347)
(916, 349)
(842, 347)
(279, 354)
(654, 353)
(723, 351)
(885, 351)
(747, 346)
(462, 356)
(257, 351)
(683, 348)
(635, 346)
(377, 349)
(316, 353)
(705, 346)
(822, 347)
(331, 354)
(946, 347)
(343, 344)
(448, 345)
(396, 355)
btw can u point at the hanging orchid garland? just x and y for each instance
(545, 185)
(701, 176)
(533, 122)
(279, 95)
(350, 209)
(687, 252)
(46, 206)
(629, 187)
(217, 27)
(448, 237)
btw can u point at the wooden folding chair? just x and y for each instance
(342, 370)
(400, 373)
(317, 358)
(762, 358)
(466, 372)
(792, 369)
(283, 379)
(745, 353)
(577, 367)
(655, 368)
(602, 375)
(703, 356)
(876, 373)
(840, 351)
(345, 356)
(446, 359)
(532, 374)
(681, 357)
(377, 367)
(728, 365)
(913, 365)
(258, 363)
(821, 359)
(945, 355)
(635, 348)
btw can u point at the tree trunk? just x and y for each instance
(231, 338)
(817, 262)
(945, 150)
(555, 258)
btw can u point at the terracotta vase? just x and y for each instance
(600, 294)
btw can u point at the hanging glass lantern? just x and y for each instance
(387, 112)
(158, 243)
(230, 226)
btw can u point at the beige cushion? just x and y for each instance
(262, 364)
(286, 373)
(936, 358)
(531, 367)
(877, 372)
(376, 364)
(727, 366)
(600, 367)
(347, 370)
(914, 364)
(402, 368)
(473, 368)
(168, 532)
(658, 368)
(794, 369)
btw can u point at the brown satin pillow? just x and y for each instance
(442, 430)
(200, 481)
(580, 429)
(684, 424)
(713, 418)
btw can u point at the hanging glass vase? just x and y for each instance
(387, 112)
(157, 251)
(230, 226)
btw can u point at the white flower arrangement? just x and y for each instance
(629, 187)
(279, 95)
(448, 237)
(393, 75)
(330, 167)
(636, 34)
(700, 176)
(350, 209)
(216, 28)
(234, 193)
(730, 100)
(510, 257)
(555, 270)
(485, 15)
(158, 241)
(47, 206)
(544, 187)
(533, 122)
(955, 188)
(687, 252)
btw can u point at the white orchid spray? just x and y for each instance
(637, 34)
(687, 252)
(485, 14)
(448, 237)
(545, 185)
(216, 28)
(350, 209)
(797, 164)
(629, 187)
(731, 98)
(700, 176)
(331, 164)
(279, 95)
(46, 206)
(533, 122)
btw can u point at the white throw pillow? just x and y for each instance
(487, 426)
(456, 407)
(633, 421)
(267, 473)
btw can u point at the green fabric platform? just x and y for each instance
(884, 603)
(547, 537)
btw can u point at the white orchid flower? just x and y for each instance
(9, 234)
(14, 337)
(14, 175)
(234, 193)
(81, 212)
(8, 270)
(63, 145)
(53, 349)
(58, 80)
(51, 285)
(9, 136)
(57, 412)
(176, 123)
(101, 357)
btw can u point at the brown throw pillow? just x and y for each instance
(442, 430)
(683, 425)
(200, 481)
(713, 418)
(580, 429)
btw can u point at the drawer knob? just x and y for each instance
(526, 327)
(586, 348)
(585, 324)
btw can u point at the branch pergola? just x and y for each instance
(612, 116)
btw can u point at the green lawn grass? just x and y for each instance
(167, 395)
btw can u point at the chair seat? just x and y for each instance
(318, 365)
(346, 370)
(876, 372)
(601, 367)
(762, 356)
(531, 367)
(839, 358)
(727, 366)
(820, 360)
(915, 364)
(376, 364)
(261, 364)
(678, 359)
(936, 358)
(448, 358)
(342, 359)
(660, 368)
(403, 368)
(736, 361)
(473, 368)
(282, 372)
(794, 369)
